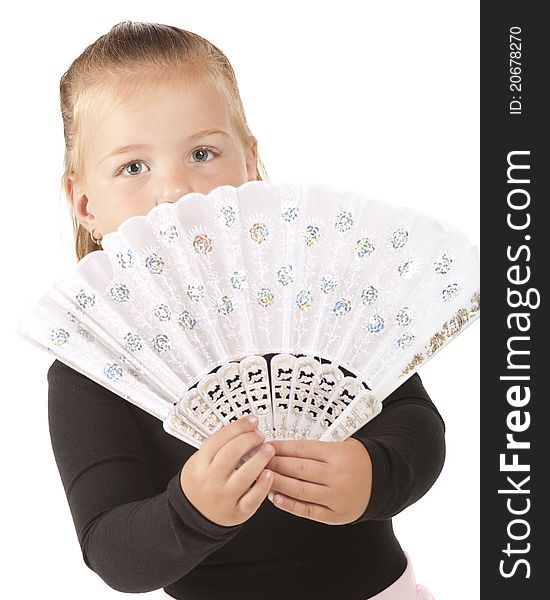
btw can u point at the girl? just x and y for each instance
(150, 113)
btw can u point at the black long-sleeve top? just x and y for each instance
(138, 531)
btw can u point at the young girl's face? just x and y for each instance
(173, 140)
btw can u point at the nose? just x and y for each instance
(172, 188)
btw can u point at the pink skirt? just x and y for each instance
(405, 588)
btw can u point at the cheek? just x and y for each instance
(234, 173)
(121, 208)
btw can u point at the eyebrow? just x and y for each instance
(195, 136)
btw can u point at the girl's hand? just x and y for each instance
(329, 482)
(211, 483)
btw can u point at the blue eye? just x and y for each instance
(133, 172)
(200, 154)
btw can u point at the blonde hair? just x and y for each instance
(126, 60)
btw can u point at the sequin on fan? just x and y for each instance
(450, 291)
(342, 307)
(344, 221)
(405, 341)
(264, 297)
(125, 259)
(239, 280)
(161, 343)
(186, 320)
(404, 316)
(195, 292)
(399, 238)
(162, 312)
(85, 300)
(312, 235)
(328, 284)
(369, 295)
(112, 371)
(120, 293)
(225, 306)
(59, 336)
(259, 232)
(227, 215)
(304, 300)
(375, 324)
(443, 264)
(405, 269)
(202, 244)
(285, 275)
(289, 213)
(169, 233)
(154, 264)
(132, 342)
(364, 247)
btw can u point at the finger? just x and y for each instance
(312, 449)
(241, 480)
(251, 500)
(301, 468)
(233, 454)
(212, 445)
(302, 490)
(307, 510)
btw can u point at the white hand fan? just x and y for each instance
(322, 279)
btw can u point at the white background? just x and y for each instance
(378, 97)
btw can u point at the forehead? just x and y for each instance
(158, 108)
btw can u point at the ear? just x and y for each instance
(79, 202)
(251, 159)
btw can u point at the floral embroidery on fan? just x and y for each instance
(408, 267)
(225, 306)
(399, 238)
(264, 297)
(405, 340)
(195, 292)
(85, 300)
(59, 336)
(312, 235)
(369, 295)
(161, 343)
(125, 259)
(202, 244)
(112, 371)
(289, 213)
(154, 264)
(328, 284)
(186, 320)
(375, 323)
(304, 300)
(342, 307)
(133, 342)
(344, 221)
(169, 233)
(120, 293)
(162, 312)
(226, 216)
(259, 232)
(239, 280)
(450, 291)
(442, 264)
(364, 247)
(404, 316)
(285, 275)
